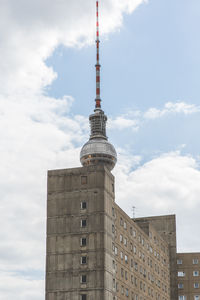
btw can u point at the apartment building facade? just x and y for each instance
(188, 273)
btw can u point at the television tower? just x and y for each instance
(98, 150)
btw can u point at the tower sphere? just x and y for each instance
(98, 151)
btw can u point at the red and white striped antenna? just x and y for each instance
(98, 66)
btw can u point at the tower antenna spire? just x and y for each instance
(97, 66)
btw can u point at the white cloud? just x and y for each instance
(136, 119)
(165, 185)
(172, 108)
(122, 122)
(30, 32)
(37, 132)
(12, 285)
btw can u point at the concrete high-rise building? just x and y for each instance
(188, 272)
(95, 251)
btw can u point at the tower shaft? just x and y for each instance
(98, 66)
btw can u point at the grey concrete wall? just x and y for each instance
(66, 191)
(166, 226)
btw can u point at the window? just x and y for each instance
(195, 273)
(116, 250)
(113, 228)
(113, 264)
(131, 263)
(195, 261)
(122, 272)
(83, 278)
(117, 287)
(113, 283)
(126, 275)
(131, 230)
(181, 274)
(121, 255)
(180, 285)
(134, 249)
(113, 211)
(125, 225)
(83, 241)
(122, 290)
(126, 292)
(83, 179)
(196, 285)
(83, 260)
(182, 297)
(126, 258)
(197, 297)
(113, 247)
(135, 281)
(113, 188)
(125, 242)
(136, 266)
(121, 238)
(84, 297)
(83, 223)
(134, 233)
(121, 221)
(179, 261)
(83, 205)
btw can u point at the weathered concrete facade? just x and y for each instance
(80, 234)
(188, 276)
(166, 227)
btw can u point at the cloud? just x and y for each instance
(136, 119)
(11, 284)
(30, 32)
(122, 122)
(167, 184)
(172, 108)
(38, 132)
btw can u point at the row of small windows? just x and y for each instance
(183, 297)
(126, 275)
(123, 240)
(125, 291)
(141, 239)
(195, 261)
(182, 273)
(141, 256)
(181, 285)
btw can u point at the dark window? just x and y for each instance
(83, 242)
(84, 297)
(83, 205)
(83, 259)
(83, 179)
(113, 229)
(113, 211)
(83, 278)
(83, 223)
(113, 187)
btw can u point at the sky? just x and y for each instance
(150, 93)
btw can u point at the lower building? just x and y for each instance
(188, 271)
(95, 251)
